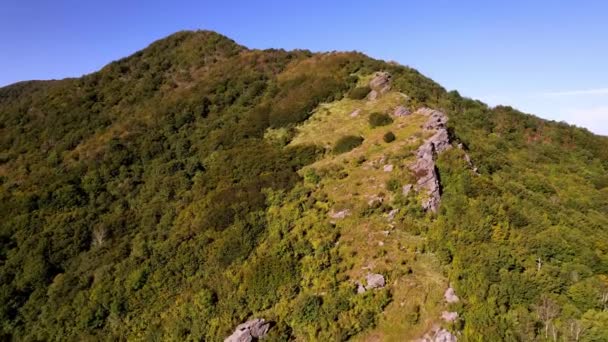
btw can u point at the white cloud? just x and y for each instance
(597, 91)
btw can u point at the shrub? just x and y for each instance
(393, 185)
(389, 137)
(358, 93)
(347, 143)
(379, 119)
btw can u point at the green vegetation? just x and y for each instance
(359, 93)
(379, 119)
(389, 137)
(347, 143)
(184, 189)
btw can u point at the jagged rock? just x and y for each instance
(401, 111)
(406, 189)
(250, 330)
(440, 140)
(450, 296)
(355, 113)
(388, 168)
(339, 214)
(449, 316)
(424, 167)
(381, 82)
(374, 281)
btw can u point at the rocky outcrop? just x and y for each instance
(380, 84)
(401, 111)
(249, 331)
(450, 296)
(449, 316)
(374, 281)
(355, 113)
(424, 167)
(438, 334)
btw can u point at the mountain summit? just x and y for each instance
(200, 190)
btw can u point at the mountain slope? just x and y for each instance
(195, 184)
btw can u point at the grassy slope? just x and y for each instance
(372, 242)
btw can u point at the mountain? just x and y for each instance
(197, 185)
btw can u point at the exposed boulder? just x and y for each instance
(388, 168)
(449, 316)
(444, 336)
(339, 214)
(401, 111)
(450, 296)
(355, 113)
(438, 334)
(249, 331)
(374, 281)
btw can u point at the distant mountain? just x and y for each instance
(198, 185)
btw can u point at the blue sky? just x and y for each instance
(548, 58)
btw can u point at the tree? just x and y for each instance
(547, 310)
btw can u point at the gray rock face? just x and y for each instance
(374, 281)
(424, 167)
(381, 81)
(444, 336)
(380, 84)
(401, 111)
(250, 330)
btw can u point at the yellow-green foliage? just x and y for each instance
(191, 186)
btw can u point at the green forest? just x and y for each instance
(182, 190)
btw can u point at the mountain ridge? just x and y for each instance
(195, 184)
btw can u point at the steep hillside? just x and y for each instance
(197, 185)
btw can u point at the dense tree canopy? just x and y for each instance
(146, 201)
